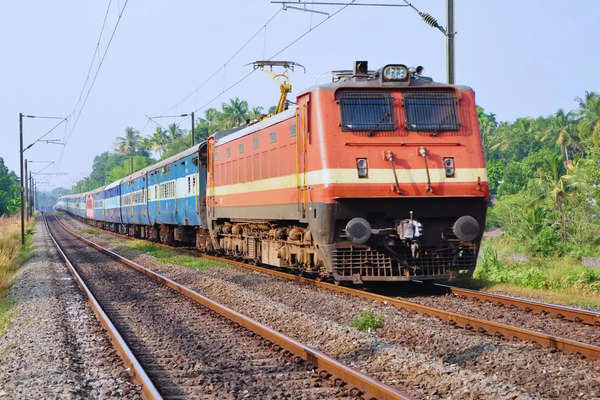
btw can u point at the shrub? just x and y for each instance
(367, 321)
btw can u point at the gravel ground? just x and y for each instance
(55, 348)
(187, 350)
(422, 354)
(515, 317)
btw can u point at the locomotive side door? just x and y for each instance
(302, 141)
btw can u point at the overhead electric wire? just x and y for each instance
(74, 125)
(99, 67)
(87, 77)
(47, 133)
(223, 66)
(284, 48)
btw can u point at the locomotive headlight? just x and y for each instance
(362, 167)
(449, 166)
(395, 73)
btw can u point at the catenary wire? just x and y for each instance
(284, 48)
(74, 125)
(89, 71)
(223, 66)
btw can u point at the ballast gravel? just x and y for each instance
(424, 356)
(55, 348)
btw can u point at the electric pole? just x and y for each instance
(30, 195)
(450, 41)
(21, 188)
(26, 193)
(192, 128)
(23, 175)
(429, 19)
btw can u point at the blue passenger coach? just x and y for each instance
(112, 204)
(164, 201)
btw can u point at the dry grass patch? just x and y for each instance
(12, 255)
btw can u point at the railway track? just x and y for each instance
(454, 318)
(178, 343)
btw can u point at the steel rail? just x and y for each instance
(455, 319)
(367, 385)
(149, 391)
(564, 312)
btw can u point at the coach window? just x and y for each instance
(293, 130)
(241, 148)
(217, 155)
(228, 152)
(256, 142)
(273, 137)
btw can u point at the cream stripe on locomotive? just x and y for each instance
(349, 175)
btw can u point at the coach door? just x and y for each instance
(302, 141)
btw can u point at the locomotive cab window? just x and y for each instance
(430, 111)
(366, 112)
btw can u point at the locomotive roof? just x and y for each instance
(223, 137)
(376, 83)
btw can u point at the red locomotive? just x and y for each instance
(376, 176)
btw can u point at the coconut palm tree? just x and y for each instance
(559, 132)
(589, 111)
(174, 132)
(236, 111)
(255, 113)
(130, 143)
(159, 140)
(556, 187)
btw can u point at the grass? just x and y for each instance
(12, 255)
(90, 231)
(168, 256)
(367, 321)
(557, 279)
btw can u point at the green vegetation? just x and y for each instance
(12, 255)
(368, 321)
(168, 256)
(135, 151)
(538, 273)
(544, 178)
(9, 191)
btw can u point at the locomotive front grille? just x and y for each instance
(349, 261)
(367, 262)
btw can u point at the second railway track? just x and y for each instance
(189, 350)
(491, 327)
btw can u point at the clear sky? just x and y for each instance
(523, 58)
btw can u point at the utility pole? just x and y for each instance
(30, 195)
(429, 19)
(21, 188)
(26, 193)
(131, 163)
(192, 128)
(21, 151)
(176, 116)
(450, 41)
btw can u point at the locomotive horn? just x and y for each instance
(466, 228)
(359, 230)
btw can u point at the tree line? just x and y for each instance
(135, 151)
(544, 178)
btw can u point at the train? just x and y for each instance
(378, 175)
